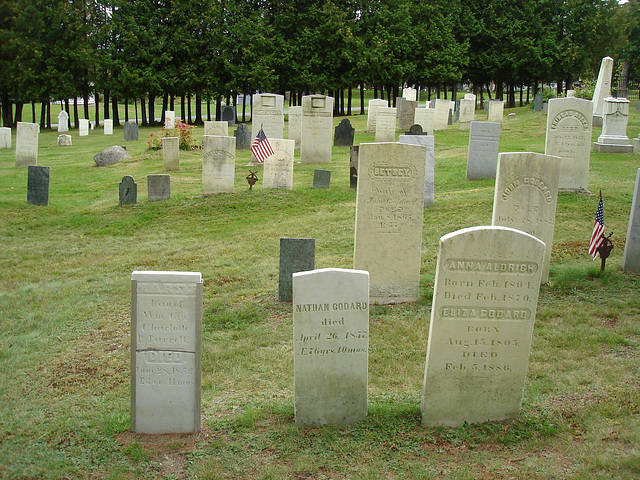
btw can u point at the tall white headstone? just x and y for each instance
(410, 93)
(268, 113)
(295, 124)
(83, 130)
(171, 153)
(496, 111)
(63, 121)
(5, 137)
(278, 168)
(218, 164)
(482, 155)
(372, 112)
(27, 144)
(467, 113)
(429, 142)
(425, 117)
(317, 129)
(603, 85)
(386, 122)
(169, 120)
(108, 126)
(441, 116)
(631, 256)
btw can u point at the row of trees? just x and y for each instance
(147, 51)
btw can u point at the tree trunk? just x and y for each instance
(172, 103)
(143, 112)
(375, 91)
(107, 103)
(43, 114)
(199, 110)
(244, 107)
(7, 111)
(189, 110)
(114, 110)
(152, 110)
(49, 115)
(349, 95)
(76, 116)
(208, 109)
(219, 109)
(97, 105)
(165, 107)
(361, 98)
(33, 112)
(183, 112)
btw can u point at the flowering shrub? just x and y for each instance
(155, 141)
(182, 130)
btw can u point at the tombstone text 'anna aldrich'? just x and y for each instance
(484, 306)
(330, 346)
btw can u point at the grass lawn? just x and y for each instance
(65, 303)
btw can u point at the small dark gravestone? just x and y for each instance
(353, 166)
(450, 119)
(243, 137)
(296, 255)
(415, 129)
(537, 102)
(344, 134)
(229, 114)
(128, 190)
(158, 187)
(130, 131)
(38, 185)
(321, 178)
(111, 156)
(457, 110)
(637, 106)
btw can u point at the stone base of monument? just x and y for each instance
(597, 121)
(612, 148)
(575, 190)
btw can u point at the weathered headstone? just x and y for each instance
(631, 255)
(171, 153)
(343, 135)
(5, 137)
(467, 113)
(484, 306)
(526, 195)
(268, 114)
(83, 130)
(64, 140)
(278, 168)
(415, 129)
(615, 112)
(389, 213)
(372, 113)
(602, 89)
(353, 165)
(37, 185)
(537, 102)
(229, 114)
(111, 156)
(569, 137)
(482, 156)
(385, 124)
(295, 124)
(218, 128)
(410, 93)
(130, 131)
(63, 122)
(218, 164)
(107, 126)
(496, 111)
(511, 116)
(158, 187)
(330, 346)
(321, 178)
(166, 336)
(169, 120)
(127, 190)
(406, 113)
(441, 115)
(243, 137)
(27, 144)
(425, 117)
(296, 255)
(317, 127)
(428, 142)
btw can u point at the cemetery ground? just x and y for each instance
(65, 303)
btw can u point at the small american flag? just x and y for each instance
(261, 148)
(598, 231)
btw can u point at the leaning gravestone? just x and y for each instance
(330, 346)
(111, 156)
(425, 117)
(537, 102)
(171, 153)
(602, 89)
(128, 191)
(482, 156)
(296, 255)
(5, 137)
(389, 213)
(130, 131)
(64, 140)
(484, 306)
(63, 122)
(228, 114)
(295, 124)
(218, 128)
(158, 187)
(108, 126)
(218, 164)
(372, 113)
(526, 195)
(83, 130)
(169, 120)
(569, 137)
(441, 114)
(467, 113)
(343, 134)
(27, 144)
(425, 141)
(631, 256)
(353, 165)
(321, 178)
(38, 185)
(278, 168)
(496, 111)
(243, 137)
(166, 336)
(385, 124)
(615, 112)
(317, 121)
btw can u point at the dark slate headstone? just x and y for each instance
(130, 131)
(637, 106)
(321, 178)
(353, 166)
(450, 119)
(296, 255)
(415, 129)
(457, 110)
(128, 190)
(344, 134)
(229, 114)
(243, 137)
(537, 102)
(111, 156)
(38, 185)
(158, 187)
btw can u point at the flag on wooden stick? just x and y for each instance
(598, 230)
(261, 148)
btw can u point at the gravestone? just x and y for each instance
(428, 142)
(83, 131)
(229, 114)
(441, 115)
(295, 124)
(571, 93)
(415, 129)
(484, 306)
(569, 137)
(457, 110)
(467, 113)
(243, 137)
(482, 156)
(372, 113)
(130, 131)
(268, 113)
(353, 166)
(111, 156)
(5, 137)
(496, 111)
(537, 102)
(317, 127)
(166, 337)
(169, 120)
(296, 255)
(218, 128)
(631, 255)
(158, 187)
(330, 346)
(107, 126)
(526, 195)
(425, 117)
(63, 122)
(452, 107)
(27, 144)
(343, 135)
(321, 178)
(406, 113)
(615, 112)
(128, 191)
(171, 153)
(37, 185)
(636, 145)
(385, 124)
(64, 140)
(511, 116)
(545, 108)
(410, 93)
(218, 164)
(637, 106)
(602, 89)
(389, 213)
(278, 168)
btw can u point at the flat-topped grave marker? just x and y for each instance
(406, 113)
(5, 137)
(441, 115)
(484, 306)
(496, 111)
(83, 129)
(218, 164)
(171, 153)
(631, 256)
(243, 137)
(467, 113)
(127, 190)
(278, 168)
(158, 187)
(27, 144)
(425, 117)
(537, 102)
(317, 129)
(130, 131)
(107, 126)
(219, 128)
(482, 156)
(296, 255)
(295, 124)
(38, 185)
(330, 346)
(64, 140)
(166, 336)
(372, 113)
(425, 141)
(268, 113)
(385, 124)
(169, 120)
(321, 178)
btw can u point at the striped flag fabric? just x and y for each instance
(261, 148)
(598, 231)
